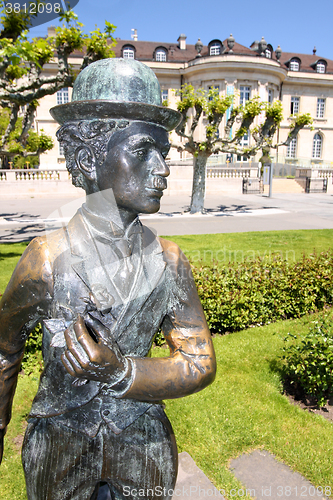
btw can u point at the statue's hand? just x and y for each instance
(97, 358)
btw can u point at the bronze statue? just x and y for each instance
(102, 287)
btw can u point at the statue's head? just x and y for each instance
(115, 131)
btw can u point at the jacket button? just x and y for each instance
(106, 413)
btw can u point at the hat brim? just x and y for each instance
(95, 109)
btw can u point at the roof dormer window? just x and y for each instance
(215, 48)
(160, 55)
(128, 52)
(294, 65)
(321, 67)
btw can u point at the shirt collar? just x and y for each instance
(108, 227)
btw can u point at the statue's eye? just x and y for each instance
(141, 153)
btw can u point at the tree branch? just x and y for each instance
(11, 125)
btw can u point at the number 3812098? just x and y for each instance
(33, 8)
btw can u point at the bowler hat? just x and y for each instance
(117, 88)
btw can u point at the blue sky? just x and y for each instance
(295, 25)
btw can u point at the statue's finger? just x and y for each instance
(100, 330)
(68, 365)
(74, 347)
(75, 362)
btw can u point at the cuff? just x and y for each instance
(123, 385)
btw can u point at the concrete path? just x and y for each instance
(264, 477)
(22, 219)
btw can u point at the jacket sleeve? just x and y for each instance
(191, 365)
(22, 305)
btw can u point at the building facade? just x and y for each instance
(303, 82)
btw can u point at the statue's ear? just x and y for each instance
(86, 162)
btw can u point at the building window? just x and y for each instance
(215, 49)
(270, 96)
(294, 105)
(321, 67)
(244, 143)
(128, 53)
(317, 146)
(62, 96)
(320, 107)
(160, 55)
(244, 95)
(164, 96)
(268, 53)
(294, 65)
(213, 87)
(291, 150)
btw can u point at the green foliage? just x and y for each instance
(190, 98)
(36, 142)
(159, 339)
(32, 358)
(217, 105)
(275, 111)
(300, 121)
(252, 108)
(308, 360)
(246, 294)
(39, 142)
(25, 162)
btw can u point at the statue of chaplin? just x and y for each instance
(102, 287)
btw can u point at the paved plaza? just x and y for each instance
(22, 219)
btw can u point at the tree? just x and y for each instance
(198, 103)
(19, 155)
(22, 79)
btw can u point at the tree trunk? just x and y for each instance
(199, 183)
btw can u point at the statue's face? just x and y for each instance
(135, 168)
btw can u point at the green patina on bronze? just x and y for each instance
(118, 80)
(117, 88)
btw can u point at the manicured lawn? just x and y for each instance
(9, 256)
(222, 248)
(243, 410)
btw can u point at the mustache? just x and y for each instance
(159, 183)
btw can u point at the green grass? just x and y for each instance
(9, 256)
(222, 248)
(245, 409)
(242, 410)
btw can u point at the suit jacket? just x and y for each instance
(60, 276)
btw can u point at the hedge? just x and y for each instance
(254, 293)
(241, 295)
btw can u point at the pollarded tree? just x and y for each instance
(23, 80)
(17, 155)
(196, 104)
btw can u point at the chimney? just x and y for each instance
(314, 50)
(134, 34)
(51, 31)
(182, 41)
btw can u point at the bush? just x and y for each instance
(33, 351)
(308, 361)
(255, 293)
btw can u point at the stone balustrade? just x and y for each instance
(225, 178)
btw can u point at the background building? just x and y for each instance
(303, 82)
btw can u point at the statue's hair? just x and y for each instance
(93, 133)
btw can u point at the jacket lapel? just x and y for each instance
(91, 271)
